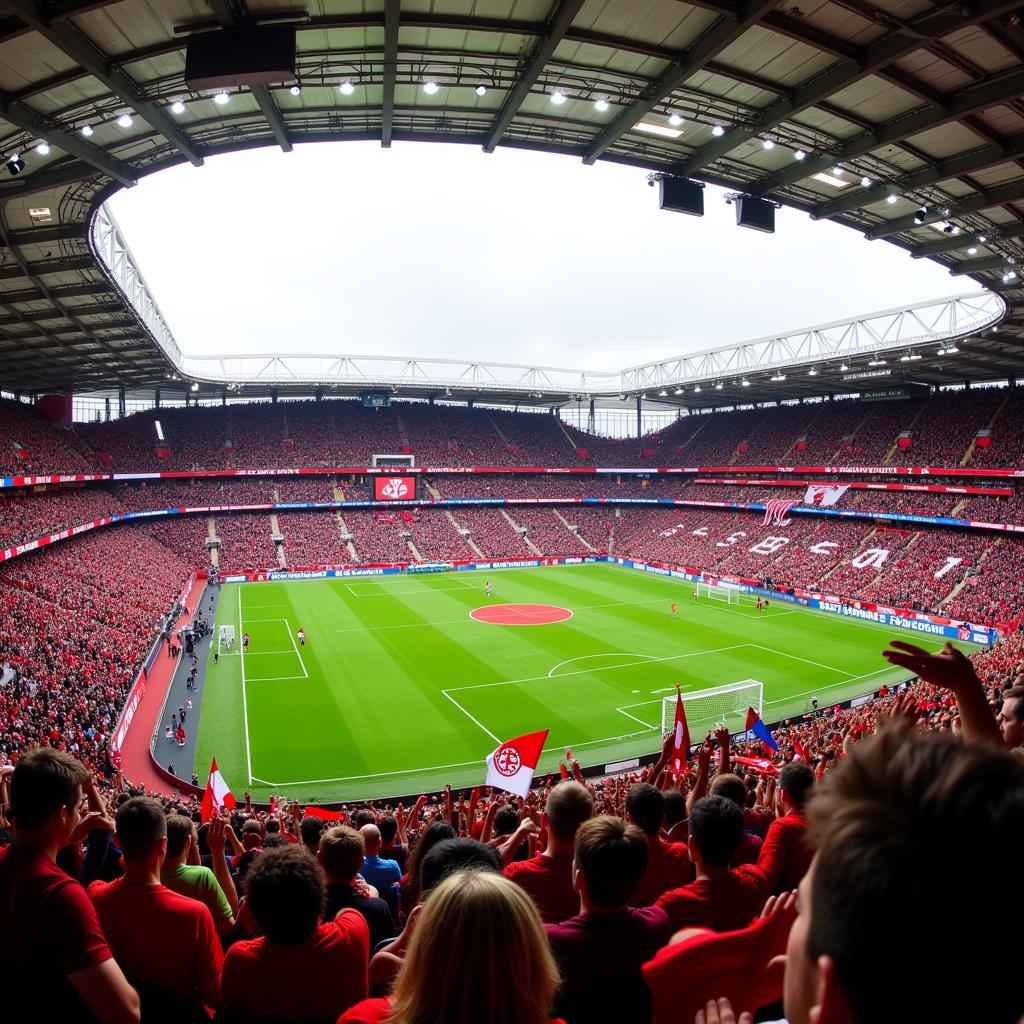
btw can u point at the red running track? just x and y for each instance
(139, 767)
(521, 614)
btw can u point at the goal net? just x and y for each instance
(719, 592)
(706, 709)
(226, 637)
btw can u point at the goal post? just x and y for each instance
(706, 709)
(225, 637)
(729, 593)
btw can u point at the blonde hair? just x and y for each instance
(479, 954)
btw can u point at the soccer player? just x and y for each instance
(487, 588)
(674, 609)
(759, 605)
(302, 636)
(245, 641)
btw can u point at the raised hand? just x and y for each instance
(721, 1012)
(948, 668)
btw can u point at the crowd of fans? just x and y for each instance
(31, 444)
(312, 538)
(547, 532)
(246, 541)
(666, 894)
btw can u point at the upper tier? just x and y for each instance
(942, 430)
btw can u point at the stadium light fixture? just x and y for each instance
(177, 107)
(430, 87)
(876, 362)
(195, 387)
(86, 130)
(865, 181)
(663, 393)
(812, 372)
(15, 165)
(558, 97)
(43, 148)
(678, 391)
(983, 239)
(295, 90)
(843, 367)
(767, 144)
(481, 90)
(837, 171)
(718, 386)
(972, 250)
(221, 98)
(159, 431)
(125, 121)
(601, 104)
(675, 119)
(346, 88)
(800, 156)
(745, 383)
(920, 216)
(778, 377)
(718, 131)
(892, 200)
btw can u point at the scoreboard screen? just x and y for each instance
(394, 488)
(376, 399)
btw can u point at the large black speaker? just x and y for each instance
(682, 196)
(758, 214)
(252, 56)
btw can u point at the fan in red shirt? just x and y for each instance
(55, 959)
(158, 937)
(325, 962)
(478, 952)
(721, 898)
(668, 864)
(785, 848)
(547, 877)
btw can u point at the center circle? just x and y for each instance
(521, 614)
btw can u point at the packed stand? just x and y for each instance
(246, 542)
(547, 532)
(680, 881)
(947, 424)
(31, 444)
(492, 533)
(186, 536)
(378, 536)
(437, 538)
(312, 488)
(312, 538)
(28, 516)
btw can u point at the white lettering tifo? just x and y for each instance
(873, 556)
(824, 547)
(951, 564)
(769, 545)
(731, 539)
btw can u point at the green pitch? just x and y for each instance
(399, 690)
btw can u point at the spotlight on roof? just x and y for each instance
(195, 387)
(949, 229)
(920, 216)
(972, 250)
(983, 239)
(675, 120)
(843, 367)
(678, 391)
(15, 165)
(601, 104)
(125, 121)
(177, 107)
(346, 88)
(745, 383)
(86, 130)
(558, 97)
(662, 393)
(865, 181)
(221, 98)
(718, 131)
(837, 171)
(718, 386)
(778, 377)
(696, 390)
(799, 156)
(43, 148)
(892, 200)
(812, 372)
(295, 90)
(767, 144)
(430, 87)
(481, 90)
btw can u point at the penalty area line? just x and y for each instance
(475, 721)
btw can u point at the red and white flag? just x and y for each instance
(216, 795)
(776, 510)
(680, 737)
(824, 495)
(512, 765)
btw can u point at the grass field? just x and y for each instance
(399, 690)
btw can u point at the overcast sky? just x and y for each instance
(442, 250)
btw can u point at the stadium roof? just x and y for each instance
(919, 106)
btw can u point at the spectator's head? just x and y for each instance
(716, 829)
(252, 835)
(273, 827)
(675, 807)
(362, 817)
(645, 807)
(478, 952)
(286, 894)
(180, 834)
(436, 832)
(796, 780)
(611, 858)
(46, 795)
(506, 821)
(141, 831)
(310, 831)
(1011, 717)
(451, 855)
(905, 828)
(388, 830)
(731, 787)
(371, 839)
(568, 805)
(341, 853)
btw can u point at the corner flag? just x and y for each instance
(512, 765)
(216, 795)
(680, 737)
(760, 730)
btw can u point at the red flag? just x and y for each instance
(798, 750)
(511, 766)
(680, 737)
(216, 794)
(324, 814)
(562, 769)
